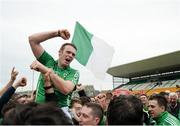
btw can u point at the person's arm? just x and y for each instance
(37, 38)
(14, 73)
(64, 86)
(7, 95)
(20, 83)
(47, 84)
(49, 90)
(80, 90)
(82, 93)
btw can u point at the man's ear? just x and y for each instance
(97, 120)
(163, 108)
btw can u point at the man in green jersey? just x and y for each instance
(63, 78)
(157, 109)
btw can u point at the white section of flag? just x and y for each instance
(100, 58)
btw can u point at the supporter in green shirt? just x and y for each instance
(166, 118)
(62, 76)
(66, 74)
(157, 109)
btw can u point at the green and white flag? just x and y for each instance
(92, 52)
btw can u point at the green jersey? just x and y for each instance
(65, 73)
(166, 118)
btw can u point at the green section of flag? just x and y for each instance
(82, 40)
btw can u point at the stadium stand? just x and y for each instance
(153, 75)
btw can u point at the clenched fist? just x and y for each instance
(37, 66)
(64, 33)
(20, 83)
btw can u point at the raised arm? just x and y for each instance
(20, 83)
(64, 86)
(37, 38)
(14, 73)
(10, 91)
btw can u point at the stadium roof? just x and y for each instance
(160, 64)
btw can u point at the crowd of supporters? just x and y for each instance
(102, 109)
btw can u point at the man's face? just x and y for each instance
(86, 117)
(167, 98)
(77, 108)
(144, 99)
(101, 99)
(22, 100)
(154, 108)
(173, 100)
(178, 93)
(66, 55)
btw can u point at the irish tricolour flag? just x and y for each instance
(95, 54)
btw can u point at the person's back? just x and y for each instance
(125, 110)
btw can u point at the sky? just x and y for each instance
(136, 29)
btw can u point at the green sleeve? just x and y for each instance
(45, 58)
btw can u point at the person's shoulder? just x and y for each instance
(178, 102)
(46, 58)
(172, 119)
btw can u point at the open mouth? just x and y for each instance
(67, 60)
(151, 113)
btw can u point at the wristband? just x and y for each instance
(48, 87)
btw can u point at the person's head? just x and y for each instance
(85, 99)
(178, 93)
(173, 98)
(157, 105)
(125, 110)
(75, 101)
(109, 95)
(17, 114)
(67, 53)
(91, 114)
(76, 106)
(47, 114)
(36, 114)
(101, 99)
(22, 99)
(144, 99)
(92, 99)
(165, 94)
(8, 107)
